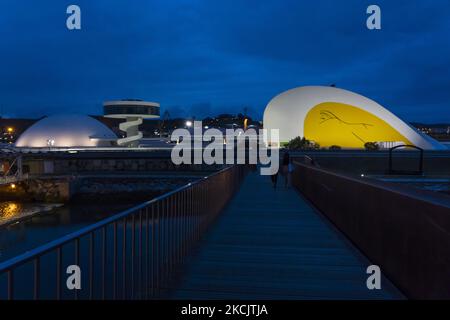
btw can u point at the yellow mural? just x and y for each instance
(333, 123)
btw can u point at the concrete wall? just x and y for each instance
(82, 189)
(405, 231)
(73, 166)
(57, 190)
(377, 162)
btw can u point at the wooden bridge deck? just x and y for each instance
(273, 245)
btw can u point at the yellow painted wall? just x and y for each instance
(333, 123)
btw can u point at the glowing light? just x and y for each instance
(10, 130)
(50, 142)
(13, 186)
(188, 123)
(9, 210)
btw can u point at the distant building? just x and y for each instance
(439, 131)
(330, 116)
(133, 111)
(11, 128)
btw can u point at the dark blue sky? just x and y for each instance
(208, 57)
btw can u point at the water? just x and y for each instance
(441, 185)
(51, 224)
(12, 211)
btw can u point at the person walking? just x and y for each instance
(291, 169)
(285, 168)
(274, 178)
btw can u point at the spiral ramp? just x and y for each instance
(133, 111)
(131, 127)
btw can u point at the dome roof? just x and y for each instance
(333, 116)
(66, 131)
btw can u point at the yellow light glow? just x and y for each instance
(332, 123)
(9, 210)
(13, 186)
(10, 129)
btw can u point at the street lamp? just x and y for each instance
(50, 142)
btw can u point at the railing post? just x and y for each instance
(58, 272)
(77, 260)
(104, 263)
(124, 258)
(183, 223)
(140, 259)
(147, 255)
(91, 266)
(153, 251)
(11, 284)
(37, 275)
(158, 250)
(133, 252)
(115, 261)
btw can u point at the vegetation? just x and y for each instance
(371, 146)
(334, 148)
(299, 143)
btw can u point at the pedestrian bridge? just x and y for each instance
(227, 236)
(272, 244)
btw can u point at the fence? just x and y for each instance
(405, 231)
(136, 254)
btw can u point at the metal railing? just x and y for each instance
(12, 177)
(136, 254)
(393, 171)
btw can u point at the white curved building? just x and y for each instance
(133, 111)
(63, 131)
(331, 116)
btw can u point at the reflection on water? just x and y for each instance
(9, 210)
(38, 229)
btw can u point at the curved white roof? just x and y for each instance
(66, 131)
(288, 110)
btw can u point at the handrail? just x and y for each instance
(392, 171)
(383, 222)
(43, 249)
(10, 167)
(177, 220)
(310, 160)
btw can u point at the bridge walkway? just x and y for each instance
(272, 244)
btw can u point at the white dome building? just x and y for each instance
(330, 116)
(66, 131)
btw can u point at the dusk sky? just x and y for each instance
(209, 57)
